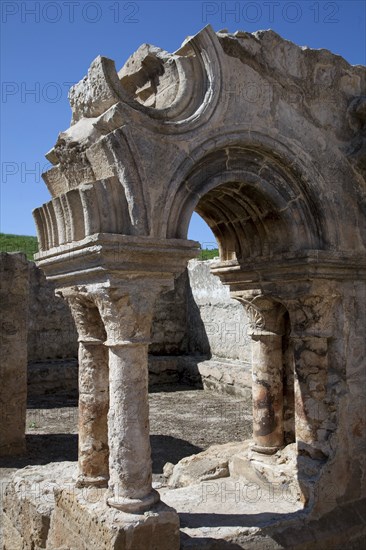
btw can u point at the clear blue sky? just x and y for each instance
(48, 45)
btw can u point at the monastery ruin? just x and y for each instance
(267, 142)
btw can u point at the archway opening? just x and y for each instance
(243, 220)
(200, 231)
(255, 203)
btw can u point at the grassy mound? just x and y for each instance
(19, 243)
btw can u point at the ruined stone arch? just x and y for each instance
(281, 181)
(275, 210)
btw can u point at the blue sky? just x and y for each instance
(48, 45)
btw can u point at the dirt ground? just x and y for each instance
(183, 421)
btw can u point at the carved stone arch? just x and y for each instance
(281, 182)
(277, 192)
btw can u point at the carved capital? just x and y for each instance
(127, 310)
(85, 314)
(265, 314)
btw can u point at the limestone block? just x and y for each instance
(42, 509)
(232, 377)
(29, 501)
(210, 464)
(82, 519)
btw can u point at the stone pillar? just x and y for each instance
(311, 408)
(266, 330)
(14, 291)
(127, 314)
(93, 392)
(313, 318)
(267, 392)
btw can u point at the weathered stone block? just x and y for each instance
(43, 509)
(82, 519)
(28, 504)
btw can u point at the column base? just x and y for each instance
(82, 520)
(85, 481)
(262, 449)
(134, 505)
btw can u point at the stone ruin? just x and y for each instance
(266, 141)
(14, 294)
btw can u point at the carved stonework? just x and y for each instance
(265, 314)
(256, 317)
(280, 180)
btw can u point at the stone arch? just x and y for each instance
(247, 194)
(281, 182)
(252, 168)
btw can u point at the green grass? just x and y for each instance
(208, 254)
(19, 243)
(29, 245)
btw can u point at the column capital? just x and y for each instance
(127, 309)
(85, 314)
(265, 314)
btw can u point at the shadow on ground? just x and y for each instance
(45, 448)
(165, 448)
(200, 543)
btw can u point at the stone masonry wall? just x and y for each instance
(51, 330)
(169, 328)
(217, 325)
(14, 288)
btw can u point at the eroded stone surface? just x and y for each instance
(43, 509)
(280, 180)
(29, 501)
(210, 464)
(80, 517)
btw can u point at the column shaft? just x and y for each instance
(267, 392)
(130, 467)
(93, 410)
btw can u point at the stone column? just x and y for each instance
(266, 330)
(312, 417)
(267, 392)
(127, 314)
(313, 318)
(93, 392)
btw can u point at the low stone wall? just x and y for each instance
(216, 325)
(51, 329)
(56, 376)
(169, 328)
(14, 289)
